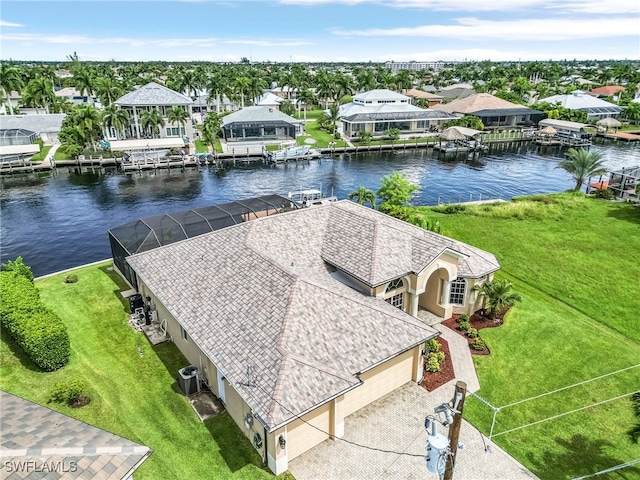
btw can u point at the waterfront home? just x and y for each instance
(46, 126)
(607, 91)
(596, 108)
(416, 96)
(39, 443)
(298, 320)
(493, 111)
(260, 123)
(153, 96)
(376, 111)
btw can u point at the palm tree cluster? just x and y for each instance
(497, 296)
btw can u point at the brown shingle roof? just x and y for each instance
(48, 439)
(475, 103)
(259, 301)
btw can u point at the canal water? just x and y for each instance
(60, 219)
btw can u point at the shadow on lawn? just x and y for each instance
(578, 451)
(121, 285)
(234, 447)
(17, 352)
(625, 211)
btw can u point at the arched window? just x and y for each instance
(457, 291)
(394, 294)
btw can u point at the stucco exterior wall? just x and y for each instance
(379, 381)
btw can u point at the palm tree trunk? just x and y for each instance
(9, 102)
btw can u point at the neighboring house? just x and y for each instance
(268, 99)
(74, 96)
(258, 123)
(300, 319)
(596, 108)
(15, 99)
(17, 144)
(285, 92)
(376, 111)
(459, 90)
(415, 95)
(38, 443)
(154, 96)
(607, 91)
(493, 111)
(47, 126)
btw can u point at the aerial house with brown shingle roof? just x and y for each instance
(298, 320)
(493, 111)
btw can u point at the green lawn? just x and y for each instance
(575, 261)
(42, 154)
(62, 154)
(131, 384)
(322, 138)
(201, 147)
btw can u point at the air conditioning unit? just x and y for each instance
(188, 380)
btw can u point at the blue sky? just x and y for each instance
(320, 30)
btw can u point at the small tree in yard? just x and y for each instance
(395, 191)
(363, 195)
(392, 134)
(582, 164)
(364, 136)
(497, 294)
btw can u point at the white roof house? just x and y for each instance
(268, 99)
(596, 108)
(378, 110)
(260, 123)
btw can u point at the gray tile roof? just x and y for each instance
(258, 114)
(36, 123)
(153, 94)
(43, 439)
(259, 300)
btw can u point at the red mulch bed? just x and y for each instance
(477, 321)
(433, 380)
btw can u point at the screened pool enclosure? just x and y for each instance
(153, 232)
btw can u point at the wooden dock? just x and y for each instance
(624, 136)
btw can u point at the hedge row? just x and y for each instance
(35, 328)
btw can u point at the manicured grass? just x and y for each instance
(42, 154)
(408, 142)
(321, 137)
(575, 261)
(131, 384)
(62, 154)
(201, 147)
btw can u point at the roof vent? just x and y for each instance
(271, 109)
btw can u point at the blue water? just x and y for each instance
(60, 220)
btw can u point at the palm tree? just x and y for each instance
(39, 93)
(108, 90)
(10, 81)
(497, 295)
(116, 118)
(363, 195)
(333, 116)
(188, 82)
(216, 86)
(88, 121)
(151, 121)
(240, 85)
(582, 164)
(84, 83)
(211, 128)
(177, 115)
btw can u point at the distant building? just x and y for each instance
(596, 108)
(74, 96)
(417, 95)
(415, 66)
(376, 111)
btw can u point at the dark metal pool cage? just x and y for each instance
(153, 232)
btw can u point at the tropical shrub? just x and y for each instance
(450, 209)
(497, 295)
(67, 392)
(432, 365)
(603, 193)
(37, 330)
(19, 267)
(432, 345)
(462, 318)
(71, 278)
(478, 344)
(472, 333)
(464, 326)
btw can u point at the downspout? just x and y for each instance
(265, 463)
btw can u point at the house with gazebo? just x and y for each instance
(154, 96)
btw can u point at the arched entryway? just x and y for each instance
(435, 297)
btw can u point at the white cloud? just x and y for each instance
(539, 30)
(10, 24)
(87, 40)
(578, 6)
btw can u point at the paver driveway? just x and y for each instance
(396, 422)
